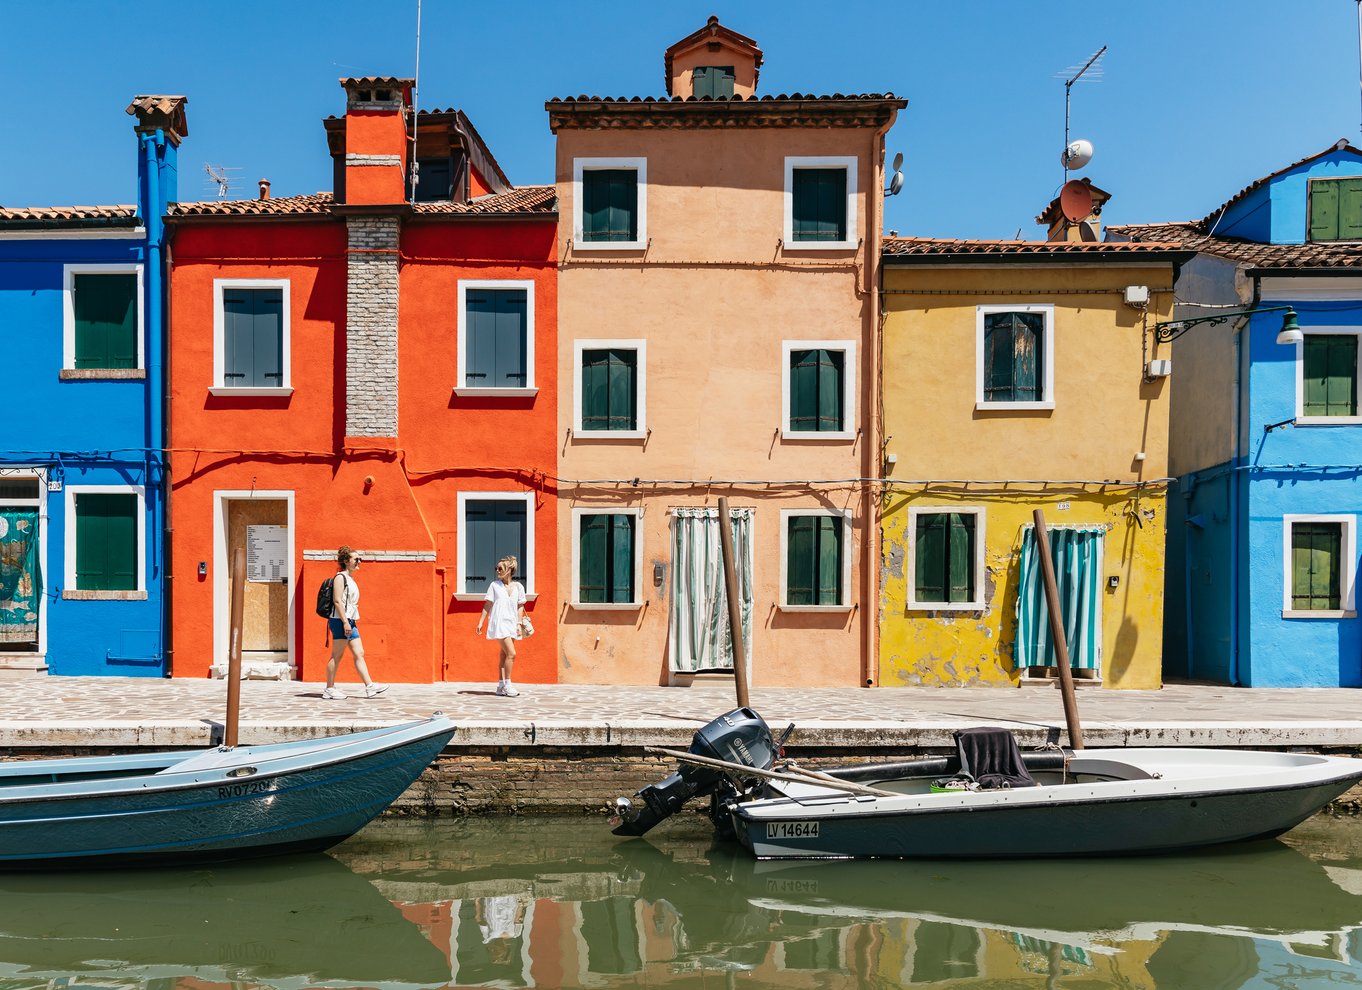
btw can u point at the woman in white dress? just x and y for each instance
(503, 610)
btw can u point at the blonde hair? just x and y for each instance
(510, 558)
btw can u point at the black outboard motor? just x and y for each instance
(740, 736)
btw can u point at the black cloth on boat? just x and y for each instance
(990, 755)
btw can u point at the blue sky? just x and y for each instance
(1197, 98)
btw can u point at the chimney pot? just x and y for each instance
(264, 188)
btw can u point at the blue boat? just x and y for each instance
(208, 805)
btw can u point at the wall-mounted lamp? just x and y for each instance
(1290, 332)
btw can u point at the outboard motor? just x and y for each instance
(740, 736)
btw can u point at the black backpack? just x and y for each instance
(326, 599)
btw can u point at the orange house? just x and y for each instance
(373, 367)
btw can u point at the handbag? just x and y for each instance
(526, 626)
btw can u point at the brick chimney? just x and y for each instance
(264, 188)
(376, 108)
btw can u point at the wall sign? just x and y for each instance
(266, 553)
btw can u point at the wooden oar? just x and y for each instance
(708, 761)
(792, 767)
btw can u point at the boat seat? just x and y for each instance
(990, 755)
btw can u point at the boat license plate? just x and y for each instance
(792, 830)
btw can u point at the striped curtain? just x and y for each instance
(20, 583)
(698, 625)
(1076, 553)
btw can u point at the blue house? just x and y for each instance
(1266, 432)
(83, 519)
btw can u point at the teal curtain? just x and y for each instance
(698, 625)
(1076, 554)
(20, 581)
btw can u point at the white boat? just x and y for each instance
(1084, 803)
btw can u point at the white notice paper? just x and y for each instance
(266, 553)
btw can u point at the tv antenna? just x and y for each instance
(1078, 153)
(416, 106)
(217, 175)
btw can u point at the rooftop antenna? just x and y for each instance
(217, 175)
(1359, 44)
(416, 106)
(1076, 158)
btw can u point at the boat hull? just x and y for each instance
(287, 803)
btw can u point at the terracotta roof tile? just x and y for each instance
(522, 199)
(316, 203)
(1191, 235)
(781, 98)
(901, 247)
(1340, 145)
(95, 216)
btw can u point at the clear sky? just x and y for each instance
(1197, 97)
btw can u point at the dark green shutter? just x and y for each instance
(944, 559)
(593, 562)
(609, 204)
(1349, 209)
(800, 557)
(493, 528)
(609, 389)
(496, 326)
(105, 310)
(434, 180)
(1316, 565)
(819, 204)
(817, 390)
(253, 338)
(1014, 357)
(961, 563)
(830, 550)
(1323, 210)
(621, 558)
(712, 81)
(1330, 375)
(106, 542)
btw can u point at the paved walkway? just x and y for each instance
(65, 712)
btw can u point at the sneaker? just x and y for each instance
(374, 690)
(334, 694)
(507, 690)
(501, 689)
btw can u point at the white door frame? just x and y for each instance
(222, 589)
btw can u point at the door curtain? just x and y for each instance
(698, 637)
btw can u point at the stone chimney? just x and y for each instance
(167, 115)
(264, 188)
(1061, 228)
(714, 62)
(376, 139)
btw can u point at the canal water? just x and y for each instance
(562, 903)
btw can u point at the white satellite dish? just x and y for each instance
(1076, 155)
(896, 180)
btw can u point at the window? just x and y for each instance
(251, 343)
(1015, 357)
(610, 389)
(491, 526)
(1326, 383)
(819, 389)
(1336, 209)
(712, 80)
(102, 318)
(609, 203)
(820, 203)
(1320, 566)
(104, 552)
(496, 338)
(946, 558)
(816, 559)
(608, 549)
(434, 180)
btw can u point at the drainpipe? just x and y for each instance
(1234, 481)
(153, 144)
(168, 539)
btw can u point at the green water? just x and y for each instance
(562, 903)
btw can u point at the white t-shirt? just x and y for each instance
(504, 619)
(345, 596)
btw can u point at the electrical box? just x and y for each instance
(1159, 368)
(1137, 295)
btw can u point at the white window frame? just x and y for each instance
(461, 568)
(529, 388)
(1048, 372)
(640, 430)
(219, 325)
(70, 589)
(601, 510)
(980, 514)
(843, 514)
(792, 162)
(69, 272)
(849, 393)
(580, 165)
(1301, 418)
(1348, 579)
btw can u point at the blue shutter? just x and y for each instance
(238, 332)
(268, 344)
(480, 322)
(511, 330)
(510, 533)
(479, 558)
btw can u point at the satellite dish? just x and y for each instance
(1076, 155)
(1087, 231)
(1075, 201)
(896, 180)
(898, 161)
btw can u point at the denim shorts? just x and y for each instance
(338, 629)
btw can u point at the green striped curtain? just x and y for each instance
(698, 637)
(1076, 554)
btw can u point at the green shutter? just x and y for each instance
(712, 81)
(609, 204)
(106, 542)
(1316, 565)
(1014, 357)
(829, 560)
(1329, 375)
(800, 560)
(1324, 203)
(817, 390)
(961, 564)
(819, 204)
(621, 558)
(594, 560)
(609, 389)
(929, 572)
(105, 310)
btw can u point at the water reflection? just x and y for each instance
(533, 903)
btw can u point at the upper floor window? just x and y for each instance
(434, 180)
(609, 205)
(712, 80)
(820, 203)
(1327, 383)
(251, 343)
(103, 318)
(1336, 209)
(610, 389)
(1320, 565)
(496, 337)
(1015, 357)
(819, 389)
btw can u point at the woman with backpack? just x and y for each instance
(344, 625)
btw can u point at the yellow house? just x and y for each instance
(1022, 375)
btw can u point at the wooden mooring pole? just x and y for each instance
(734, 606)
(1066, 677)
(229, 733)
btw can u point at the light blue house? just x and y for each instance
(1266, 432)
(83, 519)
